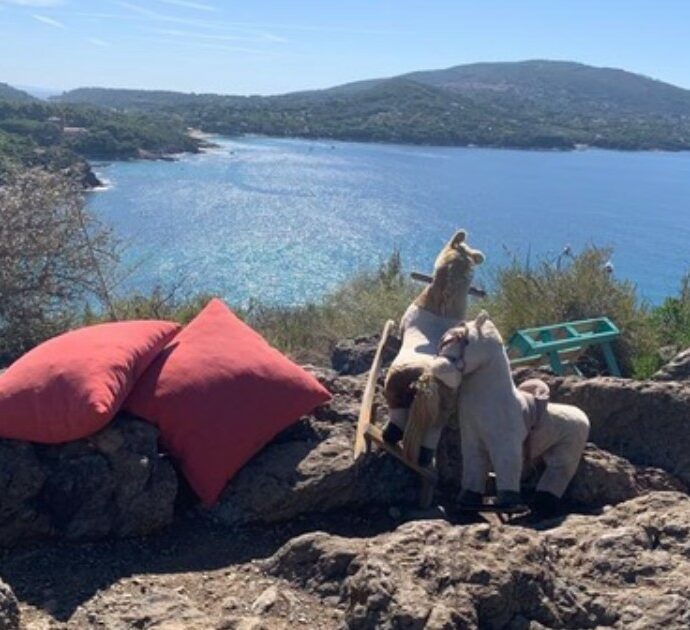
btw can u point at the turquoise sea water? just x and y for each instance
(286, 220)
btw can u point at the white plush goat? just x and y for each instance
(504, 427)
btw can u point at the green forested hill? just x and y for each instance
(8, 93)
(61, 136)
(531, 104)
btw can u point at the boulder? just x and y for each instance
(646, 422)
(603, 478)
(627, 567)
(355, 356)
(9, 608)
(677, 369)
(114, 483)
(159, 607)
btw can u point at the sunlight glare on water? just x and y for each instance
(285, 221)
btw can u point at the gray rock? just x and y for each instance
(9, 608)
(160, 607)
(626, 567)
(355, 356)
(114, 483)
(646, 422)
(606, 479)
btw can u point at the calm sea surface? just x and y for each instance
(286, 220)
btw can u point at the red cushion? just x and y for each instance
(71, 386)
(218, 394)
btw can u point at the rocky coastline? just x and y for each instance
(304, 536)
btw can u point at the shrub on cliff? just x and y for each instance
(572, 287)
(53, 256)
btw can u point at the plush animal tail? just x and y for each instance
(424, 414)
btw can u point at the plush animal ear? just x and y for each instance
(458, 238)
(481, 319)
(477, 257)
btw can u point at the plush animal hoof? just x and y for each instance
(510, 501)
(546, 504)
(468, 498)
(392, 433)
(426, 456)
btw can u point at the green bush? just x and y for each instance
(671, 320)
(53, 257)
(574, 287)
(159, 304)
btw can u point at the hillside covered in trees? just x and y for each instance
(531, 104)
(60, 137)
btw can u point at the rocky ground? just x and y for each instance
(304, 537)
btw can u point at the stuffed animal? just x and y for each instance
(411, 392)
(506, 428)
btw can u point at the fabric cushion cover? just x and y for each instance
(71, 386)
(218, 393)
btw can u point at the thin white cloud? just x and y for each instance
(98, 42)
(135, 8)
(212, 46)
(145, 12)
(185, 4)
(48, 20)
(217, 37)
(324, 29)
(34, 3)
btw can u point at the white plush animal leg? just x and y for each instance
(476, 464)
(559, 440)
(507, 458)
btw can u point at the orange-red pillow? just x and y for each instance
(218, 393)
(73, 385)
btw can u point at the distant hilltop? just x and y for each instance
(9, 93)
(528, 104)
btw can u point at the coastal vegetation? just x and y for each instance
(53, 257)
(531, 104)
(528, 105)
(59, 137)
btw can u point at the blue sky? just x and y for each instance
(274, 46)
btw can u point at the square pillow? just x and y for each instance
(73, 385)
(218, 393)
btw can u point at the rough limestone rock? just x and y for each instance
(355, 356)
(309, 468)
(9, 608)
(114, 483)
(162, 608)
(677, 369)
(606, 479)
(646, 422)
(626, 568)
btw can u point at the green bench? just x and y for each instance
(560, 345)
